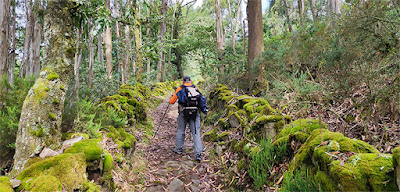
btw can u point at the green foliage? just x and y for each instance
(300, 181)
(111, 117)
(10, 112)
(263, 162)
(84, 121)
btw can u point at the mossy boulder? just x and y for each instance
(298, 130)
(122, 138)
(396, 164)
(44, 183)
(69, 169)
(5, 184)
(211, 136)
(90, 147)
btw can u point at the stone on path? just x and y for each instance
(176, 186)
(156, 188)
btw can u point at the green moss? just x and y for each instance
(62, 87)
(90, 147)
(239, 146)
(56, 101)
(46, 89)
(44, 183)
(268, 118)
(211, 136)
(365, 172)
(325, 181)
(40, 133)
(52, 76)
(52, 116)
(71, 135)
(69, 169)
(301, 125)
(224, 136)
(5, 184)
(90, 187)
(108, 163)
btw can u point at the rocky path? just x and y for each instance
(168, 171)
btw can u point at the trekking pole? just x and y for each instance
(159, 124)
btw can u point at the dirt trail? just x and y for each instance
(168, 171)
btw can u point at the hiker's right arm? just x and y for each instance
(175, 97)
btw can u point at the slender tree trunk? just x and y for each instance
(11, 67)
(231, 21)
(117, 34)
(244, 37)
(100, 56)
(4, 36)
(163, 28)
(138, 43)
(77, 63)
(28, 36)
(220, 35)
(148, 36)
(338, 6)
(172, 37)
(256, 39)
(287, 12)
(40, 123)
(108, 43)
(91, 58)
(37, 40)
(300, 4)
(127, 52)
(313, 10)
(176, 50)
(238, 19)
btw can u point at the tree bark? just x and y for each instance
(40, 122)
(256, 35)
(28, 36)
(231, 21)
(220, 34)
(163, 29)
(11, 62)
(313, 10)
(300, 4)
(37, 40)
(4, 36)
(100, 56)
(91, 58)
(172, 37)
(148, 67)
(108, 43)
(127, 53)
(117, 34)
(77, 63)
(138, 43)
(176, 50)
(238, 23)
(287, 12)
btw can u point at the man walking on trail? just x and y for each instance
(189, 100)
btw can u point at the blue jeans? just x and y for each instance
(194, 126)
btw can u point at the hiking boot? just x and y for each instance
(177, 151)
(198, 157)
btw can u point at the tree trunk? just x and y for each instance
(77, 63)
(91, 58)
(238, 19)
(300, 4)
(37, 40)
(148, 67)
(172, 37)
(231, 21)
(108, 43)
(138, 43)
(220, 35)
(40, 122)
(28, 36)
(287, 12)
(313, 10)
(100, 56)
(256, 38)
(4, 36)
(117, 34)
(338, 6)
(11, 66)
(176, 50)
(127, 53)
(163, 29)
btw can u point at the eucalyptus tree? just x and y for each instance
(40, 121)
(256, 35)
(4, 35)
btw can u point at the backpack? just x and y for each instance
(189, 98)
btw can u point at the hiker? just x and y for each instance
(190, 102)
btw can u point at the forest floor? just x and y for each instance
(169, 171)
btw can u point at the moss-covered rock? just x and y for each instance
(90, 147)
(5, 184)
(211, 136)
(122, 138)
(44, 183)
(224, 136)
(396, 164)
(68, 168)
(90, 187)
